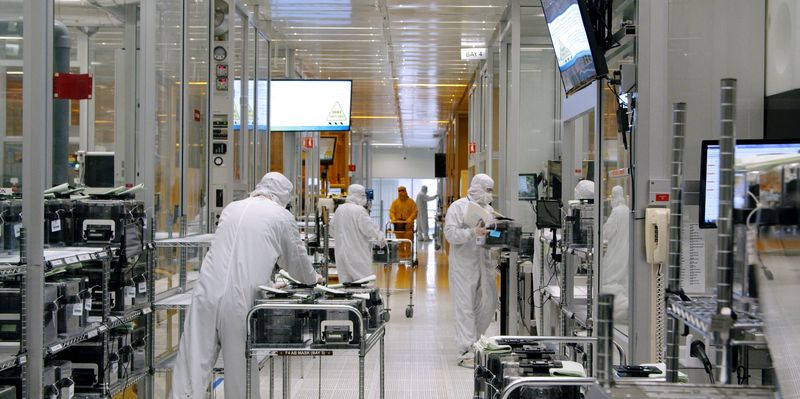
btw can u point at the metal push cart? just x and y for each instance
(388, 257)
(366, 342)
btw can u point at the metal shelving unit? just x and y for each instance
(57, 261)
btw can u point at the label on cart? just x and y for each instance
(56, 263)
(77, 309)
(17, 230)
(143, 288)
(146, 310)
(56, 348)
(305, 353)
(55, 225)
(71, 260)
(84, 257)
(87, 304)
(91, 334)
(130, 291)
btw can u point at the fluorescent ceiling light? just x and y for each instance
(14, 72)
(372, 117)
(431, 85)
(386, 145)
(10, 37)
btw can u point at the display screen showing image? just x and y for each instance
(327, 150)
(528, 187)
(572, 45)
(262, 107)
(709, 200)
(310, 105)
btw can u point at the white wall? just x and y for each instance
(710, 40)
(396, 163)
(783, 46)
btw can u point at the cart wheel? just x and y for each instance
(386, 316)
(409, 312)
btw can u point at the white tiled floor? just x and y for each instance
(420, 352)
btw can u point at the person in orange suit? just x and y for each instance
(402, 213)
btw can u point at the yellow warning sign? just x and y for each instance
(337, 115)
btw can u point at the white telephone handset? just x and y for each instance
(656, 234)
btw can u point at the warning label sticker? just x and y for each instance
(337, 115)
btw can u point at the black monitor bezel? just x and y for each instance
(526, 198)
(598, 53)
(703, 169)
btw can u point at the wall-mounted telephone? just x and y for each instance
(656, 234)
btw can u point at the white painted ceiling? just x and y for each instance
(404, 56)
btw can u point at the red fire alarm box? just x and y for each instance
(351, 167)
(473, 148)
(308, 142)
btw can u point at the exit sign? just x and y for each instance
(473, 148)
(473, 53)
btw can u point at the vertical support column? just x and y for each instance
(361, 356)
(727, 145)
(648, 162)
(287, 377)
(605, 339)
(149, 386)
(37, 120)
(130, 95)
(146, 142)
(674, 268)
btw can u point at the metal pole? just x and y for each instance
(605, 339)
(382, 354)
(727, 143)
(287, 380)
(37, 121)
(674, 267)
(361, 374)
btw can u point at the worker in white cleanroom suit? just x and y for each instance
(422, 213)
(584, 190)
(252, 236)
(353, 230)
(471, 272)
(614, 266)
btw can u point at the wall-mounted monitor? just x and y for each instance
(327, 150)
(262, 95)
(528, 186)
(709, 170)
(310, 105)
(580, 59)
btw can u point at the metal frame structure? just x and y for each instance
(367, 342)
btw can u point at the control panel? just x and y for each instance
(222, 177)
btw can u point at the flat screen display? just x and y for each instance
(709, 171)
(548, 214)
(528, 187)
(327, 150)
(98, 170)
(580, 61)
(262, 95)
(310, 105)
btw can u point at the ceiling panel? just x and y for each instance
(404, 57)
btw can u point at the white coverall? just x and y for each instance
(422, 213)
(472, 274)
(353, 230)
(253, 234)
(614, 271)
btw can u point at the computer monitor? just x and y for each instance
(709, 170)
(335, 191)
(528, 186)
(327, 150)
(548, 214)
(97, 171)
